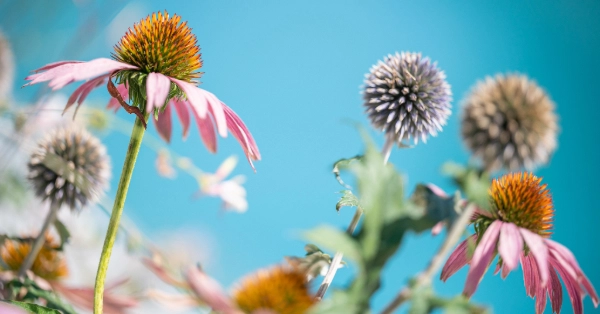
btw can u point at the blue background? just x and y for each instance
(292, 71)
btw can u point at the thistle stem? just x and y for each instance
(337, 258)
(113, 226)
(425, 277)
(38, 243)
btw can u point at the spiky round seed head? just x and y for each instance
(407, 96)
(49, 264)
(69, 167)
(280, 289)
(509, 122)
(7, 68)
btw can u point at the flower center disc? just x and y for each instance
(161, 44)
(521, 199)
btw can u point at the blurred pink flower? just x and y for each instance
(230, 191)
(6, 308)
(84, 298)
(518, 229)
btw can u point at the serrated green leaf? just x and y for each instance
(337, 240)
(347, 200)
(342, 164)
(33, 308)
(63, 233)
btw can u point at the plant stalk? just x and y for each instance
(436, 261)
(113, 226)
(38, 243)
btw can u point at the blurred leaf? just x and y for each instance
(335, 239)
(339, 302)
(347, 200)
(12, 188)
(33, 308)
(472, 181)
(63, 233)
(35, 293)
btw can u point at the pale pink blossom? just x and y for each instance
(212, 116)
(230, 191)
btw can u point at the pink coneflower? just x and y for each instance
(518, 228)
(156, 67)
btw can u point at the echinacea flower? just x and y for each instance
(509, 122)
(156, 67)
(70, 166)
(407, 96)
(49, 263)
(230, 191)
(280, 289)
(518, 229)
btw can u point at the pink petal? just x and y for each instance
(483, 255)
(510, 245)
(234, 196)
(207, 132)
(209, 291)
(65, 73)
(437, 229)
(81, 93)
(55, 64)
(161, 272)
(163, 124)
(458, 258)
(157, 90)
(437, 190)
(6, 308)
(195, 98)
(555, 292)
(538, 248)
(175, 302)
(572, 288)
(84, 298)
(216, 107)
(113, 103)
(505, 271)
(183, 114)
(498, 267)
(540, 299)
(241, 133)
(529, 274)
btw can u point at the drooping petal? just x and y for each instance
(65, 73)
(458, 258)
(54, 65)
(81, 93)
(157, 90)
(555, 292)
(210, 291)
(84, 298)
(216, 107)
(538, 248)
(195, 99)
(540, 299)
(573, 289)
(241, 133)
(505, 271)
(163, 124)
(113, 103)
(528, 275)
(483, 255)
(510, 245)
(207, 131)
(181, 108)
(175, 302)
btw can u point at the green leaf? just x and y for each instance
(347, 200)
(63, 233)
(335, 239)
(34, 293)
(472, 181)
(33, 308)
(339, 302)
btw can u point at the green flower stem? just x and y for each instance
(38, 243)
(134, 147)
(424, 278)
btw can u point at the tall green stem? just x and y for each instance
(113, 226)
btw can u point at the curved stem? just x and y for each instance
(113, 226)
(337, 258)
(40, 240)
(424, 278)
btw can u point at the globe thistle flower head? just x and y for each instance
(281, 289)
(69, 167)
(407, 96)
(49, 264)
(509, 122)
